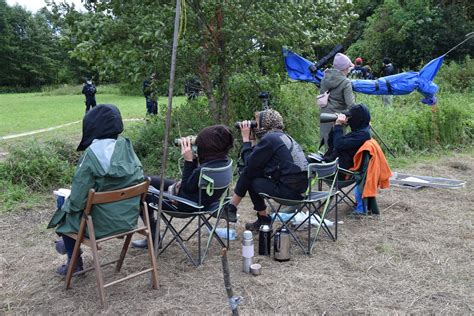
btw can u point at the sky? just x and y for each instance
(35, 5)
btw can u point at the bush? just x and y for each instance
(40, 167)
(454, 77)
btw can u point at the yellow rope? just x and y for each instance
(182, 20)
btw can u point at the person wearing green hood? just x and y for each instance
(341, 96)
(108, 163)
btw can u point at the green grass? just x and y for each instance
(24, 112)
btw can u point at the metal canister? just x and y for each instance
(281, 245)
(247, 251)
(264, 239)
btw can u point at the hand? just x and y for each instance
(186, 149)
(341, 119)
(245, 130)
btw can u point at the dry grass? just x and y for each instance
(415, 258)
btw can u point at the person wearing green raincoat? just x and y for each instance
(108, 163)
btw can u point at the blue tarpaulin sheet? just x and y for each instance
(298, 68)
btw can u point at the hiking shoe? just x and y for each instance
(229, 213)
(140, 244)
(62, 270)
(261, 220)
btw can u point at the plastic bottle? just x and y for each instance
(247, 251)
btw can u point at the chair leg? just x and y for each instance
(95, 256)
(75, 253)
(180, 241)
(126, 244)
(151, 250)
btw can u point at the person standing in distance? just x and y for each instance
(150, 91)
(387, 70)
(89, 90)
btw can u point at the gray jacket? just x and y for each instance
(341, 96)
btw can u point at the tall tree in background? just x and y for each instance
(129, 39)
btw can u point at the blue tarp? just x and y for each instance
(298, 68)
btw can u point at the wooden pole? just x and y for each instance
(168, 121)
(233, 301)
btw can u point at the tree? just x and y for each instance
(129, 39)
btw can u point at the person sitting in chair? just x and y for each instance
(276, 166)
(213, 144)
(346, 146)
(108, 163)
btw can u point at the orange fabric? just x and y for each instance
(378, 172)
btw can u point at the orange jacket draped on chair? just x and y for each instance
(378, 172)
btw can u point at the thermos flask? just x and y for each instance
(247, 251)
(264, 238)
(281, 245)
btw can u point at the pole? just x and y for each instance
(233, 301)
(164, 158)
(381, 140)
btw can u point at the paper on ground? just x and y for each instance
(413, 179)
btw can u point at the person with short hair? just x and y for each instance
(89, 90)
(108, 163)
(276, 165)
(341, 96)
(212, 148)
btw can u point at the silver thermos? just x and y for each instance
(281, 245)
(247, 251)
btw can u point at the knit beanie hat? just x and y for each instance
(342, 62)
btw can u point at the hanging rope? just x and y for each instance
(182, 20)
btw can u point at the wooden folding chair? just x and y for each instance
(139, 190)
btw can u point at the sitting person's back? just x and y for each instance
(108, 163)
(345, 146)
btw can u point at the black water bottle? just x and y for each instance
(264, 239)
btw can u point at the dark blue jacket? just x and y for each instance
(89, 91)
(279, 157)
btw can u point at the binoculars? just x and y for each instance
(253, 124)
(330, 117)
(192, 138)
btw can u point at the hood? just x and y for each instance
(333, 78)
(103, 121)
(214, 142)
(359, 117)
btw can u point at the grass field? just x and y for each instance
(31, 111)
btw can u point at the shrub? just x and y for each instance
(39, 167)
(454, 77)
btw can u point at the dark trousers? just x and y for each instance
(151, 107)
(254, 186)
(69, 245)
(155, 182)
(90, 103)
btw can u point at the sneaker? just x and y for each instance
(140, 244)
(229, 213)
(261, 220)
(62, 270)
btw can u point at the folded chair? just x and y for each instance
(87, 223)
(316, 203)
(210, 180)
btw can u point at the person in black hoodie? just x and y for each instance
(89, 90)
(276, 166)
(346, 146)
(213, 144)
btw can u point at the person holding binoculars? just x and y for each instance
(213, 144)
(276, 165)
(346, 146)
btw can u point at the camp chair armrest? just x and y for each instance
(346, 171)
(172, 197)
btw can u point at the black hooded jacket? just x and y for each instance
(345, 146)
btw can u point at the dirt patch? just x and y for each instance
(416, 257)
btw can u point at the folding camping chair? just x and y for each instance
(210, 179)
(93, 198)
(317, 203)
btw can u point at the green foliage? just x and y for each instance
(413, 32)
(457, 77)
(39, 167)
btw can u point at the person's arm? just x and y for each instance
(84, 89)
(349, 98)
(259, 157)
(82, 182)
(190, 178)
